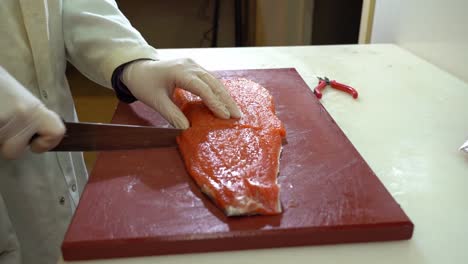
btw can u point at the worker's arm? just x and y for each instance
(98, 39)
(21, 116)
(100, 42)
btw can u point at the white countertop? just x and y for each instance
(408, 123)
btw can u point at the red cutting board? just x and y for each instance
(143, 202)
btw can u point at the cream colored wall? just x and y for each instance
(367, 16)
(435, 30)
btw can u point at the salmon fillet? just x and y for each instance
(235, 162)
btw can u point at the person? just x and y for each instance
(40, 190)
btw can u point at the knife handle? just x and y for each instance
(36, 135)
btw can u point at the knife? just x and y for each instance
(103, 137)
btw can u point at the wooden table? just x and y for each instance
(409, 122)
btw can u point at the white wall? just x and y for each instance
(435, 30)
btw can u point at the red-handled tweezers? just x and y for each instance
(323, 82)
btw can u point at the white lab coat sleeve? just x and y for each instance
(9, 246)
(99, 38)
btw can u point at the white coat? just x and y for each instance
(39, 192)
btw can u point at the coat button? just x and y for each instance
(73, 187)
(62, 200)
(44, 94)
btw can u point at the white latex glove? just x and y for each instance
(153, 83)
(21, 116)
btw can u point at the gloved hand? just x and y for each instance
(153, 83)
(21, 116)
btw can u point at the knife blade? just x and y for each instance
(81, 136)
